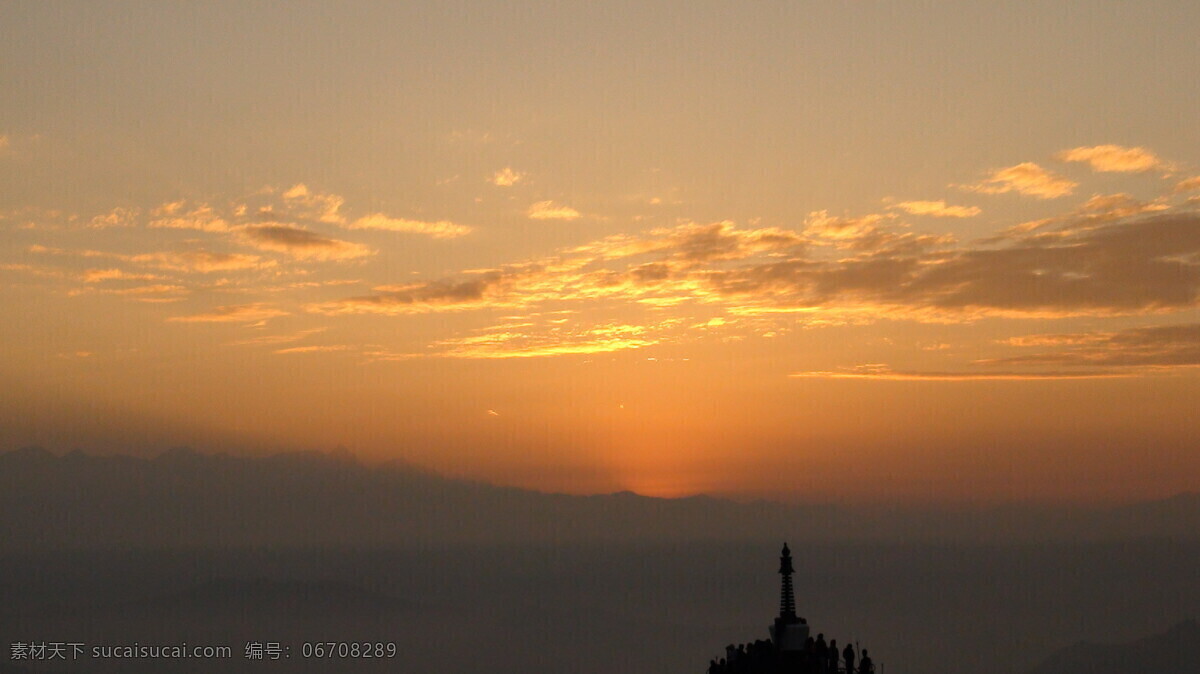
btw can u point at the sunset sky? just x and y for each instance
(850, 251)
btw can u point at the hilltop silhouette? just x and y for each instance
(184, 498)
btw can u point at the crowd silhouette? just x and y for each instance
(785, 653)
(762, 657)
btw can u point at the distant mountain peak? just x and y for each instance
(29, 454)
(1176, 650)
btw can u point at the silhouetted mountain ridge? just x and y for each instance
(1176, 651)
(184, 498)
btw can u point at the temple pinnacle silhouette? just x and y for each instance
(789, 629)
(791, 648)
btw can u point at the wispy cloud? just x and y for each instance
(548, 210)
(1137, 352)
(200, 261)
(1161, 347)
(506, 177)
(937, 209)
(275, 340)
(1102, 267)
(1113, 158)
(484, 290)
(113, 274)
(1026, 178)
(442, 229)
(117, 217)
(1097, 210)
(300, 243)
(517, 344)
(1187, 185)
(152, 293)
(179, 215)
(239, 313)
(318, 206)
(323, 348)
(877, 372)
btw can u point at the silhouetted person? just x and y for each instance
(822, 651)
(848, 656)
(808, 656)
(866, 666)
(831, 661)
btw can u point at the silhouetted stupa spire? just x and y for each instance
(789, 631)
(787, 598)
(790, 650)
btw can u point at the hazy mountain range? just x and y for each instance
(183, 498)
(1176, 651)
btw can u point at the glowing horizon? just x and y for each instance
(560, 253)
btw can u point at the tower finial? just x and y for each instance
(787, 599)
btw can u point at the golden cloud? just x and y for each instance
(318, 206)
(937, 209)
(300, 243)
(506, 177)
(1113, 158)
(117, 217)
(1187, 185)
(486, 290)
(1154, 348)
(313, 349)
(548, 210)
(274, 340)
(516, 344)
(1026, 178)
(884, 373)
(176, 215)
(442, 229)
(240, 313)
(200, 261)
(100, 275)
(1109, 267)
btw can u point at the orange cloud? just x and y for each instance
(313, 349)
(1097, 210)
(201, 261)
(1187, 185)
(1159, 347)
(300, 243)
(274, 340)
(1113, 158)
(884, 373)
(117, 217)
(821, 225)
(548, 210)
(938, 209)
(515, 344)
(1026, 178)
(486, 290)
(1121, 267)
(314, 205)
(175, 215)
(506, 177)
(442, 229)
(240, 313)
(100, 275)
